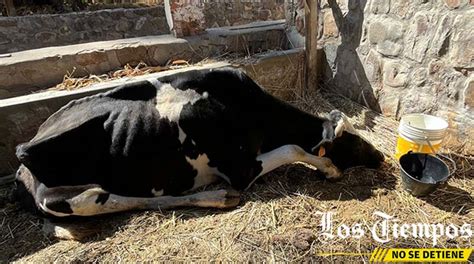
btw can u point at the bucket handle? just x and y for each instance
(443, 156)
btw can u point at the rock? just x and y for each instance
(461, 53)
(65, 30)
(435, 66)
(419, 37)
(389, 104)
(389, 48)
(395, 74)
(440, 43)
(123, 26)
(140, 23)
(469, 94)
(330, 28)
(377, 32)
(380, 6)
(372, 67)
(452, 4)
(46, 36)
(419, 76)
(402, 8)
(384, 29)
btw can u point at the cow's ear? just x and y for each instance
(343, 124)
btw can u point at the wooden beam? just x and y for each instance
(311, 29)
(10, 7)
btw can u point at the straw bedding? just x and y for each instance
(277, 219)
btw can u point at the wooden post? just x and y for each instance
(311, 28)
(10, 7)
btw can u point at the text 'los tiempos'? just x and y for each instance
(387, 228)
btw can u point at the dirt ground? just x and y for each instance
(278, 219)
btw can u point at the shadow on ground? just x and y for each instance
(21, 233)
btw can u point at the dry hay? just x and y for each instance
(277, 219)
(70, 82)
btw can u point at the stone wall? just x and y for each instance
(30, 32)
(401, 56)
(192, 17)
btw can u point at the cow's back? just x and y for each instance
(104, 139)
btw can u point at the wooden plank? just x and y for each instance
(10, 7)
(311, 27)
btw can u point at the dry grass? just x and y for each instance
(70, 82)
(277, 219)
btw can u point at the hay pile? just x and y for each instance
(277, 219)
(70, 82)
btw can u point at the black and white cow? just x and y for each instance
(144, 145)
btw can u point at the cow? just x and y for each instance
(147, 145)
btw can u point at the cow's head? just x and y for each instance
(344, 146)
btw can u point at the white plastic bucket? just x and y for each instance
(420, 133)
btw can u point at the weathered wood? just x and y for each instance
(10, 7)
(311, 27)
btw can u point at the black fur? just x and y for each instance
(118, 140)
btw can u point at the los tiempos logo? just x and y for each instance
(387, 228)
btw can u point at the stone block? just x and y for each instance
(402, 8)
(395, 73)
(380, 6)
(440, 43)
(469, 94)
(330, 28)
(419, 36)
(373, 67)
(419, 76)
(389, 48)
(389, 104)
(452, 4)
(435, 66)
(377, 32)
(385, 29)
(46, 37)
(461, 52)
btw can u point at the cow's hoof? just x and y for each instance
(334, 179)
(227, 198)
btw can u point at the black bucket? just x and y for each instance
(422, 173)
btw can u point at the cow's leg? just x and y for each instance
(292, 153)
(96, 201)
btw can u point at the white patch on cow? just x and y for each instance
(344, 125)
(292, 153)
(155, 82)
(205, 174)
(85, 202)
(170, 102)
(157, 192)
(181, 134)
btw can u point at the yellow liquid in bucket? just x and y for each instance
(404, 146)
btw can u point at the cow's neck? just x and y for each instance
(289, 125)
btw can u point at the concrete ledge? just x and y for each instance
(20, 117)
(28, 71)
